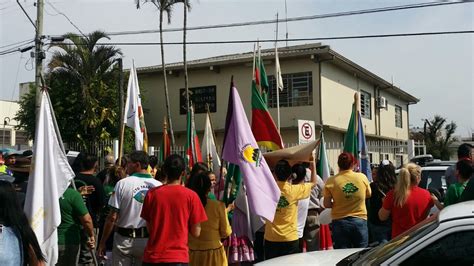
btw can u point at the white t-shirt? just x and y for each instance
(128, 197)
(302, 214)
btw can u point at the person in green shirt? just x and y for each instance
(453, 195)
(73, 214)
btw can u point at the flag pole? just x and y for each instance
(276, 76)
(223, 141)
(122, 132)
(193, 148)
(357, 110)
(253, 65)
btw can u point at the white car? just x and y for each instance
(446, 238)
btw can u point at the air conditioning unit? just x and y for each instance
(381, 102)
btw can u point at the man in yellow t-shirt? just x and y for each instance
(281, 235)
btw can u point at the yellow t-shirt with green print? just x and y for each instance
(348, 190)
(284, 225)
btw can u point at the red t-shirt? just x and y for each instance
(170, 210)
(415, 209)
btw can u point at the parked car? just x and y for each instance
(446, 238)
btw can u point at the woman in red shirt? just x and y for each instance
(407, 203)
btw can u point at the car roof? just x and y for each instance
(441, 163)
(434, 168)
(313, 258)
(458, 210)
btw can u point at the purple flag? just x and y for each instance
(240, 148)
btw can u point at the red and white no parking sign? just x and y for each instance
(305, 131)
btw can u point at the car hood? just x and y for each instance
(315, 258)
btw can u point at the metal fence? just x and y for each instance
(395, 151)
(99, 148)
(398, 152)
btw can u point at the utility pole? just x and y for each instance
(39, 54)
(121, 101)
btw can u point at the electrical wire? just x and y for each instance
(292, 40)
(13, 9)
(301, 18)
(18, 43)
(65, 16)
(272, 40)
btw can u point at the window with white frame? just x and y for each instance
(398, 116)
(365, 105)
(297, 90)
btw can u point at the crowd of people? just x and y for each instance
(136, 212)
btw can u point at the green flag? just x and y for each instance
(233, 180)
(350, 140)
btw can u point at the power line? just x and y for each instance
(294, 39)
(12, 9)
(65, 16)
(301, 18)
(375, 36)
(18, 43)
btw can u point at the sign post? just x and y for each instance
(306, 131)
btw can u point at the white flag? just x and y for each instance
(133, 107)
(279, 79)
(49, 178)
(208, 148)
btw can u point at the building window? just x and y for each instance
(201, 98)
(398, 116)
(365, 105)
(297, 90)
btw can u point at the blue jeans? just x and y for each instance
(11, 250)
(380, 233)
(350, 232)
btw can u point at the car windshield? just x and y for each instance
(382, 252)
(432, 179)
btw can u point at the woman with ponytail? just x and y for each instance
(407, 203)
(207, 249)
(18, 243)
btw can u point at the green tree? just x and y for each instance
(164, 6)
(83, 88)
(438, 136)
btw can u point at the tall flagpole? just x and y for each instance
(276, 77)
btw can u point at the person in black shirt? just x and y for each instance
(384, 181)
(95, 200)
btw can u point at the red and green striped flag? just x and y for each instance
(263, 127)
(193, 150)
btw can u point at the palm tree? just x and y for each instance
(187, 6)
(84, 64)
(438, 139)
(164, 6)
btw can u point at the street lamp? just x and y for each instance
(4, 124)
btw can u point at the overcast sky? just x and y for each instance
(437, 69)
